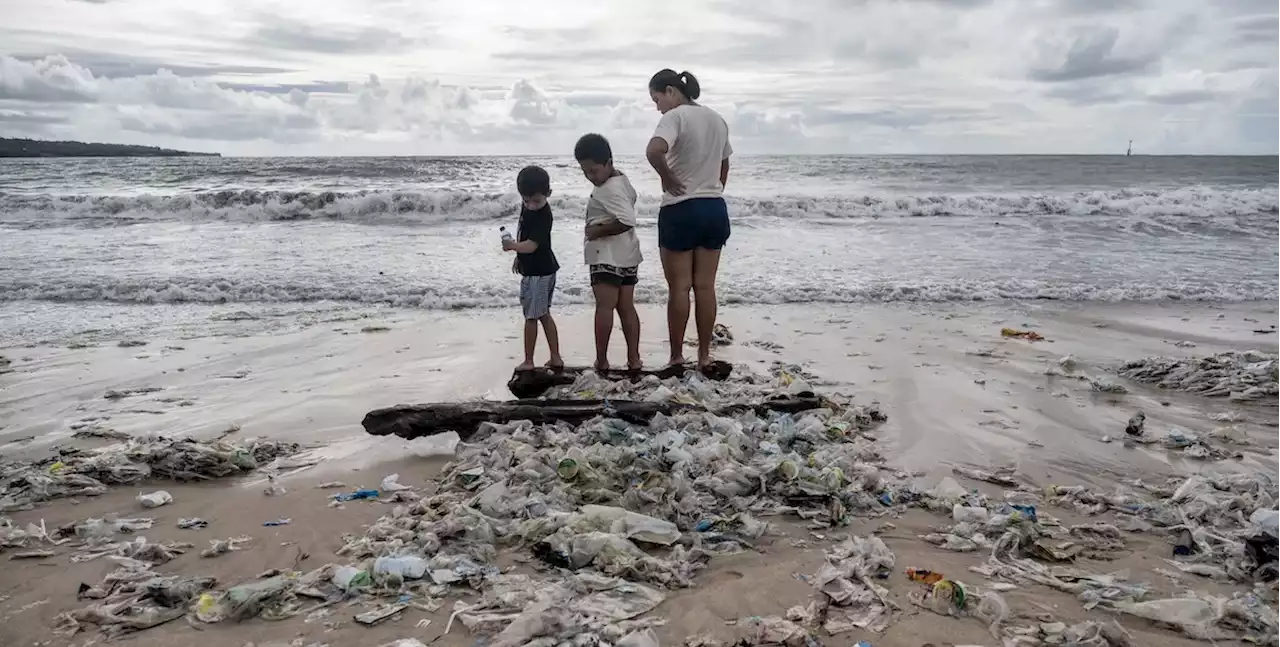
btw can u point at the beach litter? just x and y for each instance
(90, 472)
(223, 546)
(273, 487)
(851, 597)
(1136, 425)
(618, 492)
(1002, 476)
(1103, 385)
(120, 394)
(1014, 333)
(721, 335)
(692, 477)
(356, 495)
(391, 483)
(155, 499)
(11, 536)
(132, 598)
(1247, 375)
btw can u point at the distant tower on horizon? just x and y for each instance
(1130, 151)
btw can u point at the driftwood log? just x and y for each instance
(534, 382)
(416, 420)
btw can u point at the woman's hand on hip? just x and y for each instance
(673, 186)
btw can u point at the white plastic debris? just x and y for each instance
(223, 546)
(155, 499)
(391, 483)
(1267, 521)
(641, 638)
(409, 567)
(969, 514)
(627, 524)
(949, 490)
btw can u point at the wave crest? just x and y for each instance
(445, 205)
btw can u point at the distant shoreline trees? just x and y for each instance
(41, 148)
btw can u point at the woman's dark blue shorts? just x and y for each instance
(696, 222)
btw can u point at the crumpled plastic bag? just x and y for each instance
(625, 523)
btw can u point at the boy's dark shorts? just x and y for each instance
(616, 276)
(696, 222)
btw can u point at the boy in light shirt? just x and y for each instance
(612, 249)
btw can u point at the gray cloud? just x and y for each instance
(1094, 7)
(113, 66)
(1093, 55)
(595, 99)
(224, 126)
(861, 76)
(1258, 29)
(30, 117)
(284, 34)
(1086, 94)
(1183, 97)
(52, 80)
(329, 87)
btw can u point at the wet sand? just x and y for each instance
(956, 394)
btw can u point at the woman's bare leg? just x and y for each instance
(706, 262)
(678, 269)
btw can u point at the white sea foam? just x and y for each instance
(441, 207)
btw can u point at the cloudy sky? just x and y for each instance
(330, 77)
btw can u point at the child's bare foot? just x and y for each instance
(678, 360)
(600, 366)
(703, 362)
(555, 364)
(525, 366)
(635, 366)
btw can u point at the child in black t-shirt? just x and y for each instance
(536, 263)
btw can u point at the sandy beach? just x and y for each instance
(956, 394)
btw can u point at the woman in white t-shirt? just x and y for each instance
(690, 151)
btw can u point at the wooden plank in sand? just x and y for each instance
(415, 420)
(534, 382)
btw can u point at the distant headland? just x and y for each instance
(41, 148)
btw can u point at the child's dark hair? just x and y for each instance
(533, 180)
(593, 148)
(682, 81)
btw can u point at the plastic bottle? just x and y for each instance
(963, 513)
(506, 235)
(349, 578)
(409, 567)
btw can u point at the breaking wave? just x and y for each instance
(444, 205)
